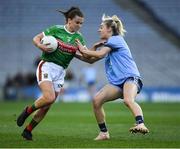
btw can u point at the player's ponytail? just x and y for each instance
(71, 13)
(120, 26)
(115, 23)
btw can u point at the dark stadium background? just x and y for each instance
(153, 33)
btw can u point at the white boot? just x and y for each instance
(103, 136)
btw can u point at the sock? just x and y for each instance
(102, 127)
(31, 125)
(139, 119)
(31, 109)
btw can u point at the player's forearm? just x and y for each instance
(92, 48)
(91, 53)
(86, 59)
(96, 54)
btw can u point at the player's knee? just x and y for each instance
(96, 103)
(50, 98)
(128, 102)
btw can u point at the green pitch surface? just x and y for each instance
(72, 125)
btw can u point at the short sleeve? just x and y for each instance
(51, 30)
(112, 43)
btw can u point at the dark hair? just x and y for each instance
(71, 13)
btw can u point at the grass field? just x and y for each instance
(72, 125)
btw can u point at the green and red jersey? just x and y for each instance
(66, 45)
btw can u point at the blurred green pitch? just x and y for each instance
(72, 125)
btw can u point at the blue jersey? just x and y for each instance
(119, 63)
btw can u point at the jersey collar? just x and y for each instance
(68, 31)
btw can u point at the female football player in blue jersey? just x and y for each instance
(121, 71)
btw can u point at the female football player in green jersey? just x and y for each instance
(51, 69)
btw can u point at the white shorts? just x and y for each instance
(48, 71)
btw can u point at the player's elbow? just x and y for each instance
(34, 41)
(37, 39)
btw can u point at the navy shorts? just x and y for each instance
(135, 80)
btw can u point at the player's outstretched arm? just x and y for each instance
(81, 57)
(99, 54)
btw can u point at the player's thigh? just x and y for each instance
(129, 91)
(47, 89)
(108, 93)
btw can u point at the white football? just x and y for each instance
(50, 41)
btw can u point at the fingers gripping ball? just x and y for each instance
(50, 42)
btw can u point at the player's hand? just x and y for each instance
(79, 53)
(82, 49)
(44, 48)
(80, 46)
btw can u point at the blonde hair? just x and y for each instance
(115, 23)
